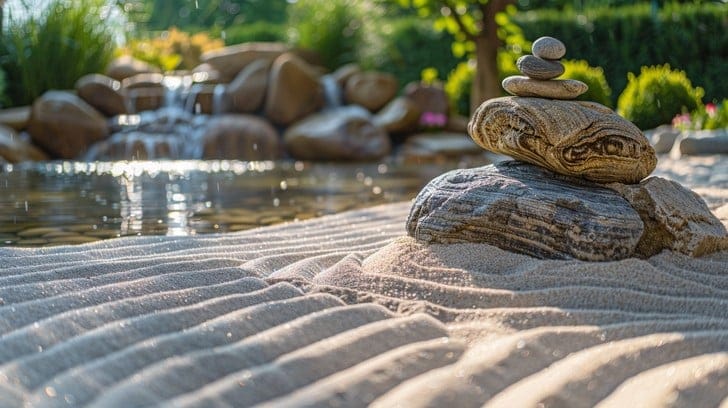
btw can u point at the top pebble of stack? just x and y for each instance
(548, 48)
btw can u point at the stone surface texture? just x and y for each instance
(127, 66)
(526, 209)
(64, 125)
(662, 138)
(240, 137)
(103, 93)
(539, 68)
(229, 61)
(582, 139)
(548, 48)
(553, 89)
(699, 142)
(293, 91)
(247, 91)
(399, 115)
(345, 133)
(675, 218)
(371, 90)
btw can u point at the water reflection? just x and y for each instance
(74, 202)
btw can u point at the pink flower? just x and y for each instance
(681, 120)
(433, 119)
(711, 109)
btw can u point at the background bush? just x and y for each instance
(172, 49)
(458, 87)
(598, 91)
(52, 49)
(259, 31)
(3, 100)
(656, 95)
(690, 37)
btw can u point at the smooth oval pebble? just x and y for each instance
(539, 68)
(548, 48)
(552, 89)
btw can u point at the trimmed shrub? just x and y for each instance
(259, 31)
(459, 87)
(656, 95)
(51, 50)
(690, 37)
(599, 90)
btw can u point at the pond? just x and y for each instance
(56, 203)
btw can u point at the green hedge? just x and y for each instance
(690, 37)
(260, 31)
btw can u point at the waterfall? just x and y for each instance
(218, 99)
(332, 92)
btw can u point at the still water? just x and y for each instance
(75, 202)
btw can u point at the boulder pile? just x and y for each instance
(578, 187)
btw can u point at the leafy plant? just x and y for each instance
(172, 49)
(599, 90)
(458, 87)
(706, 117)
(2, 88)
(656, 95)
(51, 49)
(259, 31)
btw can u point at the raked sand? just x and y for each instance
(346, 310)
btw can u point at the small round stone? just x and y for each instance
(553, 89)
(539, 68)
(548, 48)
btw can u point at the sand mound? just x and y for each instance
(346, 311)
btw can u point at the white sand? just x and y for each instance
(345, 311)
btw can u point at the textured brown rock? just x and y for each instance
(229, 61)
(548, 48)
(247, 91)
(64, 125)
(13, 149)
(583, 139)
(293, 92)
(675, 218)
(538, 68)
(371, 90)
(16, 118)
(127, 66)
(527, 209)
(399, 115)
(103, 93)
(240, 137)
(345, 133)
(553, 89)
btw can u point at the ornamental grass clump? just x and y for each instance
(52, 48)
(656, 95)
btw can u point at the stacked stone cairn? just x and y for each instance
(578, 187)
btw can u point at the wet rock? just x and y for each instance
(401, 115)
(539, 68)
(64, 125)
(293, 92)
(345, 133)
(662, 138)
(206, 74)
(583, 139)
(439, 147)
(526, 209)
(207, 99)
(247, 91)
(548, 48)
(143, 81)
(127, 66)
(103, 93)
(14, 149)
(344, 73)
(136, 145)
(144, 99)
(371, 90)
(428, 98)
(240, 137)
(16, 118)
(553, 89)
(675, 218)
(698, 142)
(229, 61)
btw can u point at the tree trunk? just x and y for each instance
(486, 84)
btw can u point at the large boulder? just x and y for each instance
(240, 137)
(16, 118)
(103, 93)
(371, 90)
(207, 99)
(229, 61)
(145, 80)
(428, 98)
(401, 115)
(145, 99)
(293, 91)
(64, 125)
(699, 142)
(345, 133)
(14, 149)
(127, 66)
(574, 138)
(247, 91)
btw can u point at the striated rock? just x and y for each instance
(548, 48)
(371, 90)
(247, 90)
(345, 133)
(229, 61)
(16, 118)
(553, 89)
(575, 138)
(675, 218)
(538, 68)
(398, 116)
(526, 209)
(240, 137)
(438, 147)
(64, 125)
(103, 93)
(127, 66)
(428, 98)
(13, 149)
(293, 92)
(697, 142)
